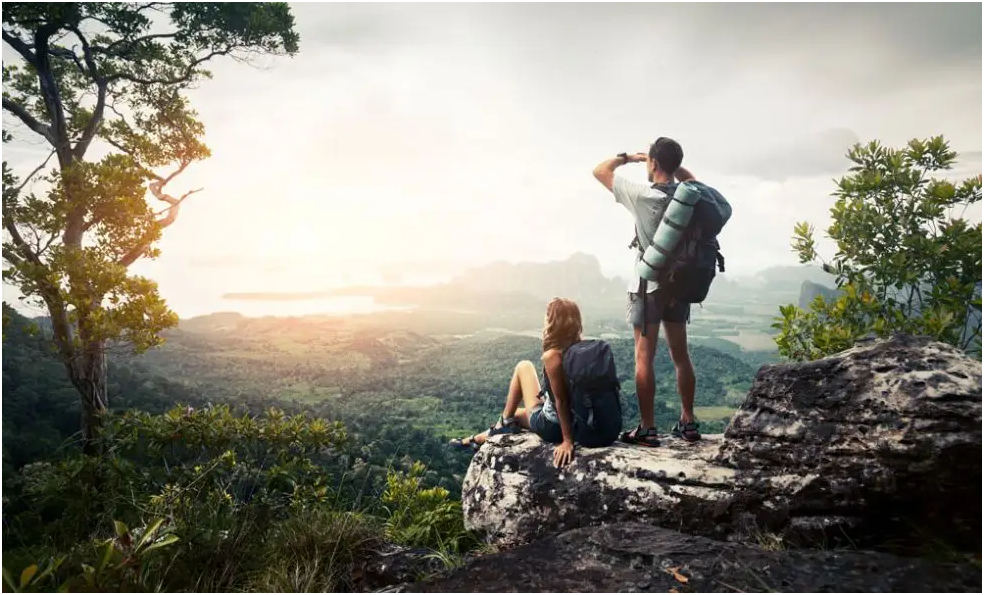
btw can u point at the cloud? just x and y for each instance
(817, 154)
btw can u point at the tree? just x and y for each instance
(115, 75)
(907, 260)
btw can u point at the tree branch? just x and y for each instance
(22, 246)
(33, 173)
(86, 53)
(170, 212)
(110, 49)
(20, 46)
(29, 120)
(185, 77)
(51, 94)
(89, 132)
(68, 54)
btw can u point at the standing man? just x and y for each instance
(647, 203)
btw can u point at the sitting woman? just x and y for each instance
(539, 413)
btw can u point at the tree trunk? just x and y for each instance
(88, 375)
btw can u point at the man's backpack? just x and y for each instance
(594, 392)
(684, 255)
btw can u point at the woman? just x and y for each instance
(539, 413)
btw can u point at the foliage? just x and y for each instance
(217, 481)
(112, 75)
(128, 561)
(423, 517)
(317, 551)
(905, 261)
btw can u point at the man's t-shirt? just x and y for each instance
(647, 205)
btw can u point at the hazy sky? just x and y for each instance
(468, 132)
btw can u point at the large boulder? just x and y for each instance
(513, 494)
(883, 439)
(872, 446)
(633, 557)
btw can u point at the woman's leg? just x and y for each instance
(523, 388)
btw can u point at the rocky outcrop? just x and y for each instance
(882, 438)
(632, 557)
(513, 494)
(871, 446)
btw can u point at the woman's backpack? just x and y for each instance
(594, 392)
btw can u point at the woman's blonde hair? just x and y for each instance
(562, 324)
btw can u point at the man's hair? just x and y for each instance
(667, 153)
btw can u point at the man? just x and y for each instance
(647, 204)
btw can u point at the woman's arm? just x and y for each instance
(553, 364)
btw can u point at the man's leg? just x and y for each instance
(675, 319)
(676, 341)
(645, 378)
(645, 353)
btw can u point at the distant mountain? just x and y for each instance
(579, 277)
(788, 278)
(810, 290)
(504, 287)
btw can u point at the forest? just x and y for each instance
(369, 410)
(400, 394)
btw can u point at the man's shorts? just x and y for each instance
(657, 310)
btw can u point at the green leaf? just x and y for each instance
(149, 533)
(51, 568)
(107, 555)
(121, 528)
(162, 543)
(89, 573)
(9, 581)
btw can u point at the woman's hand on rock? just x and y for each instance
(563, 454)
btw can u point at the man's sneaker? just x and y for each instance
(688, 432)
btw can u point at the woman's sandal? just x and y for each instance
(465, 444)
(501, 427)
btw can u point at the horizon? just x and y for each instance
(413, 141)
(322, 303)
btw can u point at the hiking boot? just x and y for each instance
(688, 432)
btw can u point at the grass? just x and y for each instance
(317, 551)
(717, 412)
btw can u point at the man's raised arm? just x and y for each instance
(683, 174)
(604, 172)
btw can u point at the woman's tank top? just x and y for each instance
(549, 409)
